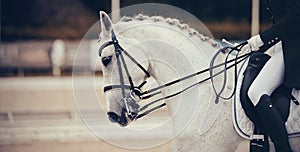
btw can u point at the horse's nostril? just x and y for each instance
(113, 117)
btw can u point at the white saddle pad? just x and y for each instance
(245, 127)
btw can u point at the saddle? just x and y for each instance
(242, 114)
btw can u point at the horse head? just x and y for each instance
(121, 72)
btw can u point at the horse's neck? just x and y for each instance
(172, 51)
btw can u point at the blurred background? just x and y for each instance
(70, 19)
(38, 42)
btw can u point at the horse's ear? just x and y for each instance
(106, 23)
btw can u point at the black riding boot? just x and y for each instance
(256, 62)
(273, 124)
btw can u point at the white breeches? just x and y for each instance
(270, 77)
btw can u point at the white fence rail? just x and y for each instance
(45, 57)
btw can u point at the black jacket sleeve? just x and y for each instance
(286, 27)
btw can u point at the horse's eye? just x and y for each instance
(106, 60)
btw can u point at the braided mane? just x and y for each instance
(172, 22)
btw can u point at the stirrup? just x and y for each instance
(259, 143)
(257, 137)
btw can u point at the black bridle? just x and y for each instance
(130, 102)
(135, 91)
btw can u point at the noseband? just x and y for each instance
(136, 93)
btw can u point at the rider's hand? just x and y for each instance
(255, 43)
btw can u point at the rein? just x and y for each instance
(130, 102)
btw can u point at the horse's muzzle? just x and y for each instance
(121, 120)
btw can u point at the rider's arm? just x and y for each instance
(286, 27)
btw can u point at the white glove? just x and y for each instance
(255, 42)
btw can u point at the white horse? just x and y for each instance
(168, 50)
